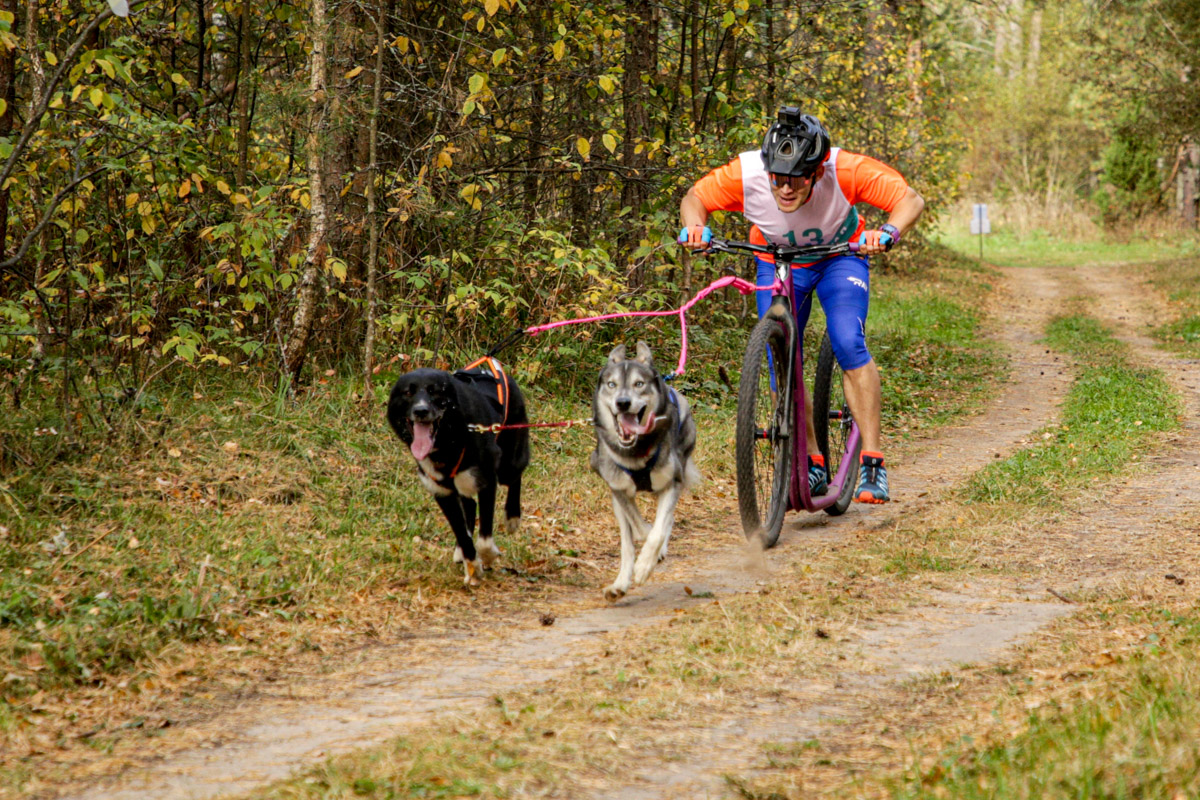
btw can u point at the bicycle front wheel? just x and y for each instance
(832, 423)
(765, 431)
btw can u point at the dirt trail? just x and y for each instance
(398, 688)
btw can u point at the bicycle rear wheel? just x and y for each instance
(765, 431)
(832, 423)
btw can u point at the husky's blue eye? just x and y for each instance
(639, 384)
(612, 384)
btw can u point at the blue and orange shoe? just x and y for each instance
(818, 476)
(873, 482)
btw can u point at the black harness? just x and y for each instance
(641, 477)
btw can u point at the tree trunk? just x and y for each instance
(537, 111)
(638, 59)
(201, 32)
(1034, 57)
(768, 49)
(372, 217)
(244, 89)
(694, 15)
(316, 249)
(37, 84)
(8, 93)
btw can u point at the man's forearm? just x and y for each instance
(906, 212)
(692, 210)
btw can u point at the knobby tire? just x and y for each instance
(764, 463)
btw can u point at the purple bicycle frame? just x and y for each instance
(798, 494)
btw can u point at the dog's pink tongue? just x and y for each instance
(422, 443)
(630, 427)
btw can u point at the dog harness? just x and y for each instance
(489, 370)
(641, 477)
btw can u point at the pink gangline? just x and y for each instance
(743, 286)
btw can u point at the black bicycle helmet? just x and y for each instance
(796, 144)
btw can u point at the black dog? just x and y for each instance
(430, 410)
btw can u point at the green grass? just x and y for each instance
(1111, 415)
(1133, 739)
(1179, 280)
(1041, 249)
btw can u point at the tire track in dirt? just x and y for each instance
(271, 739)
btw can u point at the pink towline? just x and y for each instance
(743, 286)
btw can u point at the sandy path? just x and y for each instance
(398, 688)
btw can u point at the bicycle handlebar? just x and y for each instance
(789, 254)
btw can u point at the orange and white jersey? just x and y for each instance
(828, 217)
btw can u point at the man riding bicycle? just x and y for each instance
(795, 191)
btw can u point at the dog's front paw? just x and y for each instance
(512, 524)
(642, 570)
(488, 552)
(458, 556)
(615, 592)
(662, 553)
(471, 572)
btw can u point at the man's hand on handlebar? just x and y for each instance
(695, 237)
(873, 242)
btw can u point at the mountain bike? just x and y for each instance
(771, 449)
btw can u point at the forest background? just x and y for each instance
(274, 190)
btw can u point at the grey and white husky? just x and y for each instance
(645, 436)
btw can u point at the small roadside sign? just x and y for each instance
(979, 220)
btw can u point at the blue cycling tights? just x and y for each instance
(843, 286)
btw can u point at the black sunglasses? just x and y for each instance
(794, 181)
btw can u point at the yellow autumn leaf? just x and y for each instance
(353, 73)
(583, 146)
(606, 83)
(401, 44)
(559, 49)
(148, 225)
(51, 59)
(131, 200)
(610, 142)
(185, 189)
(443, 160)
(3, 106)
(223, 187)
(499, 56)
(96, 95)
(78, 90)
(237, 198)
(491, 7)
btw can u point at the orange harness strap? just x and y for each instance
(493, 366)
(461, 453)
